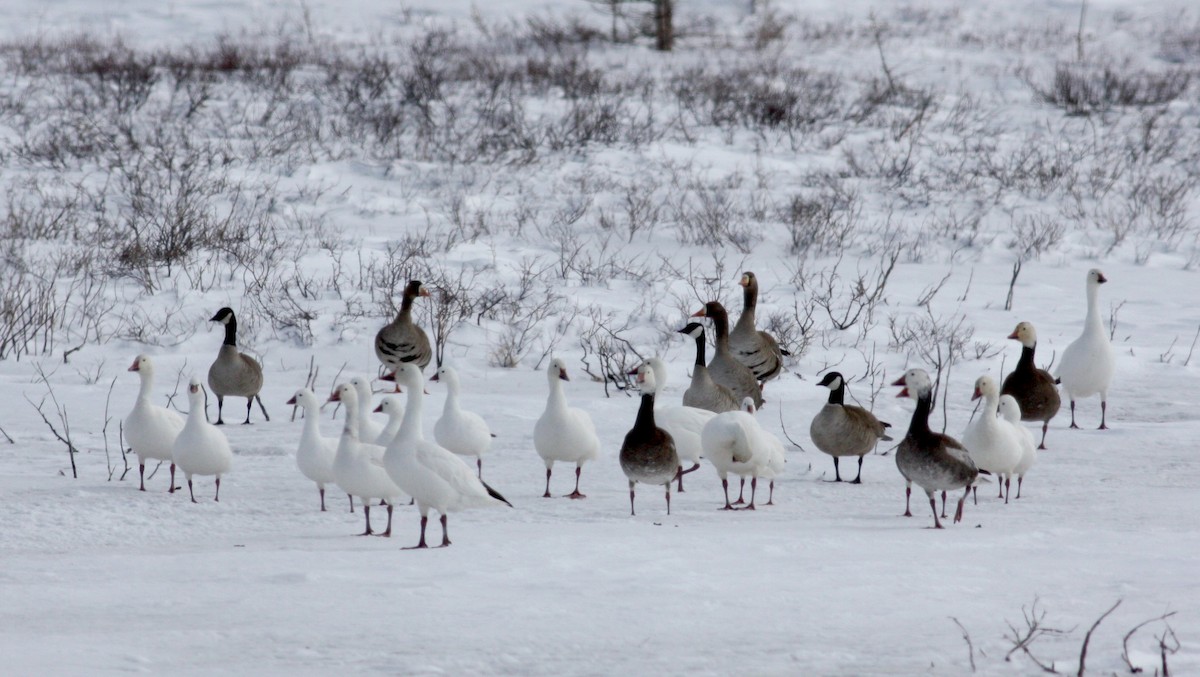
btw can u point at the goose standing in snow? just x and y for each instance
(734, 443)
(462, 432)
(401, 340)
(368, 431)
(841, 429)
(564, 433)
(683, 423)
(1034, 389)
(934, 461)
(1011, 412)
(150, 429)
(316, 452)
(201, 448)
(704, 392)
(234, 373)
(390, 406)
(756, 349)
(435, 478)
(992, 442)
(724, 367)
(356, 467)
(648, 453)
(774, 463)
(1087, 364)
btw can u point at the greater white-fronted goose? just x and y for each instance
(756, 349)
(724, 367)
(648, 453)
(1087, 364)
(936, 462)
(1011, 411)
(841, 429)
(992, 443)
(704, 392)
(564, 433)
(233, 373)
(1034, 389)
(401, 340)
(462, 432)
(200, 448)
(150, 429)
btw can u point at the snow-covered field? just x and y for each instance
(100, 578)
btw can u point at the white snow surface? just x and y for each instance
(98, 578)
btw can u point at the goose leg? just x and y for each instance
(1020, 480)
(837, 474)
(1008, 487)
(741, 493)
(907, 497)
(142, 476)
(1045, 427)
(681, 472)
(445, 534)
(1000, 486)
(217, 496)
(943, 504)
(547, 494)
(172, 489)
(753, 491)
(771, 495)
(1073, 414)
(725, 486)
(574, 494)
(190, 492)
(261, 407)
(668, 485)
(959, 512)
(858, 478)
(479, 466)
(249, 404)
(220, 406)
(631, 512)
(367, 514)
(387, 533)
(975, 494)
(933, 504)
(351, 502)
(322, 490)
(421, 544)
(1103, 414)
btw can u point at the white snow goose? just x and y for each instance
(564, 433)
(436, 478)
(648, 452)
(401, 340)
(756, 349)
(1033, 389)
(724, 367)
(462, 432)
(684, 423)
(390, 406)
(201, 448)
(1087, 364)
(934, 461)
(841, 429)
(704, 392)
(368, 431)
(315, 454)
(1011, 412)
(356, 467)
(734, 443)
(992, 442)
(234, 373)
(150, 429)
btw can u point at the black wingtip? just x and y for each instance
(495, 494)
(984, 472)
(492, 434)
(785, 352)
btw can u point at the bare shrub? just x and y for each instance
(939, 342)
(28, 312)
(821, 223)
(1085, 88)
(602, 340)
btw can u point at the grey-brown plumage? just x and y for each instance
(703, 392)
(648, 453)
(935, 462)
(841, 429)
(1034, 389)
(756, 349)
(234, 373)
(401, 340)
(724, 367)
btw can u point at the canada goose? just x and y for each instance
(992, 442)
(683, 423)
(357, 465)
(401, 340)
(648, 453)
(841, 429)
(234, 373)
(200, 448)
(564, 433)
(462, 432)
(1034, 389)
(704, 392)
(756, 349)
(150, 429)
(1087, 364)
(724, 367)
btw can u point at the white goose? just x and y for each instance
(734, 443)
(316, 452)
(390, 406)
(435, 478)
(462, 432)
(564, 433)
(683, 423)
(356, 465)
(150, 429)
(773, 463)
(1010, 411)
(992, 443)
(368, 431)
(1087, 364)
(201, 448)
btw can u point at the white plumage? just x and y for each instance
(390, 406)
(683, 423)
(735, 443)
(992, 443)
(368, 431)
(1087, 364)
(463, 432)
(315, 453)
(564, 433)
(201, 448)
(1010, 411)
(356, 467)
(150, 429)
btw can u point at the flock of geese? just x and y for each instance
(381, 465)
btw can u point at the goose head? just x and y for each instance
(224, 316)
(415, 289)
(345, 393)
(693, 329)
(711, 309)
(363, 387)
(748, 281)
(833, 380)
(1025, 333)
(408, 374)
(447, 375)
(142, 363)
(985, 386)
(304, 398)
(1095, 277)
(645, 379)
(916, 384)
(1009, 408)
(557, 370)
(748, 405)
(390, 406)
(657, 367)
(195, 393)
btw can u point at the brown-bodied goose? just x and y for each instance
(234, 373)
(841, 429)
(1034, 389)
(704, 392)
(724, 367)
(401, 340)
(934, 461)
(648, 453)
(756, 349)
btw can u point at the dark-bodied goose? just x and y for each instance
(841, 429)
(756, 349)
(704, 392)
(234, 373)
(401, 340)
(682, 423)
(1034, 389)
(934, 461)
(724, 367)
(648, 453)
(1087, 364)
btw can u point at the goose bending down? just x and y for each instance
(368, 431)
(564, 433)
(201, 448)
(648, 453)
(435, 478)
(841, 429)
(934, 461)
(704, 392)
(356, 467)
(992, 442)
(390, 406)
(462, 432)
(234, 373)
(1087, 364)
(1034, 389)
(684, 423)
(735, 443)
(1011, 412)
(401, 340)
(756, 349)
(775, 461)
(724, 367)
(316, 452)
(150, 429)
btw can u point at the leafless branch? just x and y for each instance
(967, 638)
(1088, 638)
(1129, 635)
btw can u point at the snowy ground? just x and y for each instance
(99, 578)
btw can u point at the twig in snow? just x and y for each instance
(1023, 639)
(1192, 348)
(786, 435)
(1129, 635)
(10, 440)
(309, 381)
(1088, 637)
(65, 438)
(104, 430)
(967, 638)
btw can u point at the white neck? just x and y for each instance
(991, 403)
(147, 383)
(350, 428)
(410, 427)
(1092, 321)
(557, 399)
(311, 424)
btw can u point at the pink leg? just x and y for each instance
(576, 494)
(631, 512)
(753, 491)
(445, 534)
(547, 494)
(681, 472)
(741, 493)
(907, 498)
(367, 514)
(1103, 414)
(668, 498)
(142, 475)
(322, 490)
(217, 496)
(172, 489)
(725, 486)
(958, 514)
(771, 495)
(1073, 415)
(933, 504)
(421, 544)
(190, 492)
(387, 533)
(943, 505)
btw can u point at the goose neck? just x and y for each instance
(720, 322)
(700, 361)
(645, 415)
(147, 383)
(919, 426)
(838, 394)
(558, 398)
(231, 332)
(1025, 363)
(410, 425)
(1092, 321)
